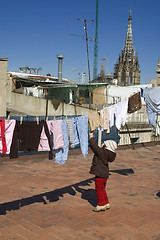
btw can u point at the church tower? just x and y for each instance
(126, 69)
(158, 72)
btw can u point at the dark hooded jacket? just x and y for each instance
(100, 160)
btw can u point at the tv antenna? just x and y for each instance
(86, 38)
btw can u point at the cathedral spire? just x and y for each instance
(102, 70)
(126, 70)
(128, 48)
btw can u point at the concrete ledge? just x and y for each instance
(138, 145)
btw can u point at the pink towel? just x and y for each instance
(54, 127)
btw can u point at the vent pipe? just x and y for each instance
(83, 77)
(60, 57)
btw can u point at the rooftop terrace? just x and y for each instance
(42, 200)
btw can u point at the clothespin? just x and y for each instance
(66, 117)
(37, 120)
(54, 118)
(97, 111)
(21, 120)
(47, 119)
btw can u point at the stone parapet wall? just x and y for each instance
(34, 106)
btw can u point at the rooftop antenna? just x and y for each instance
(96, 45)
(85, 28)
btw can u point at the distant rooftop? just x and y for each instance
(46, 80)
(42, 78)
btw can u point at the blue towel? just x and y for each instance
(62, 153)
(75, 131)
(82, 128)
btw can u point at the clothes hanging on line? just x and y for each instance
(75, 131)
(77, 134)
(26, 137)
(157, 128)
(70, 132)
(119, 110)
(134, 103)
(54, 127)
(43, 143)
(152, 99)
(105, 120)
(9, 129)
(3, 146)
(62, 153)
(82, 133)
(95, 120)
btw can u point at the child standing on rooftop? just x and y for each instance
(102, 156)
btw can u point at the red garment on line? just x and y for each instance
(2, 126)
(100, 186)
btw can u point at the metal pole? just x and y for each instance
(130, 136)
(85, 28)
(96, 44)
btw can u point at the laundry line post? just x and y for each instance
(46, 95)
(99, 138)
(129, 136)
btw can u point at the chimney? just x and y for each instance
(83, 77)
(60, 57)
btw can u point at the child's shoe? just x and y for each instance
(107, 206)
(99, 208)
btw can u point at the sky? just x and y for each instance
(33, 32)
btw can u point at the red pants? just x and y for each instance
(100, 185)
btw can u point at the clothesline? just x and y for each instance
(70, 128)
(36, 136)
(73, 134)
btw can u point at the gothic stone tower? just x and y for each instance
(126, 69)
(158, 72)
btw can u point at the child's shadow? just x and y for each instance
(89, 195)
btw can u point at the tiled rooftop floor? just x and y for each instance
(41, 200)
